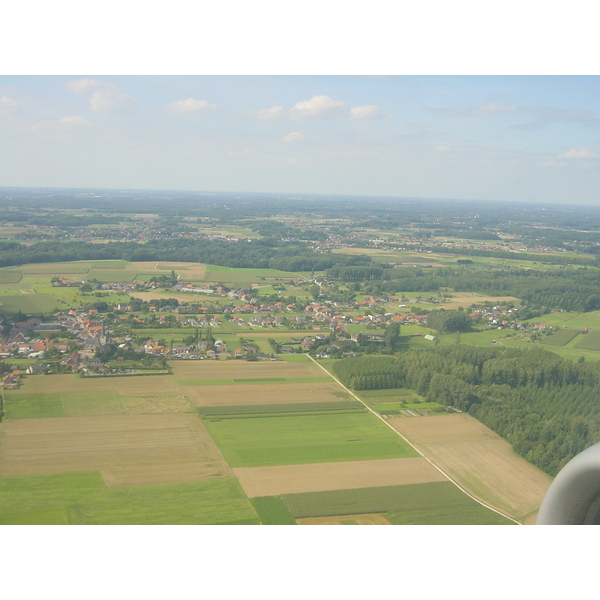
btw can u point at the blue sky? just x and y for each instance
(525, 138)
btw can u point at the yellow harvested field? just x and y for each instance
(465, 300)
(321, 477)
(241, 395)
(212, 369)
(126, 449)
(364, 519)
(479, 460)
(150, 296)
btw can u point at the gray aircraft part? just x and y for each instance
(573, 498)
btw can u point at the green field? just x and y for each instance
(236, 275)
(83, 499)
(437, 503)
(589, 341)
(305, 439)
(272, 511)
(273, 410)
(560, 337)
(28, 303)
(10, 276)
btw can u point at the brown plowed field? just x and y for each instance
(479, 460)
(320, 477)
(210, 369)
(366, 519)
(241, 395)
(128, 449)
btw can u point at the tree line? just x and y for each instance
(546, 406)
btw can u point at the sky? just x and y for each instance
(525, 138)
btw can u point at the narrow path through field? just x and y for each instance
(413, 446)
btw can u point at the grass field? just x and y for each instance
(10, 276)
(479, 460)
(83, 499)
(560, 337)
(305, 439)
(589, 341)
(273, 511)
(278, 410)
(425, 503)
(28, 304)
(235, 275)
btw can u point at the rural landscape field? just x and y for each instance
(301, 368)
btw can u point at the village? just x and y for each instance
(109, 340)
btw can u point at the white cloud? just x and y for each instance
(319, 106)
(7, 105)
(441, 149)
(191, 106)
(111, 102)
(270, 114)
(74, 121)
(64, 125)
(87, 85)
(580, 153)
(369, 111)
(106, 98)
(295, 136)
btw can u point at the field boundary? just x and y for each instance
(415, 447)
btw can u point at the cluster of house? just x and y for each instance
(32, 339)
(498, 317)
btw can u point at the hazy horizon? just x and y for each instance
(483, 138)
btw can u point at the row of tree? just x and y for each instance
(545, 405)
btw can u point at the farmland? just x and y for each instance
(479, 460)
(270, 437)
(436, 502)
(290, 479)
(84, 499)
(131, 449)
(134, 438)
(561, 337)
(305, 439)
